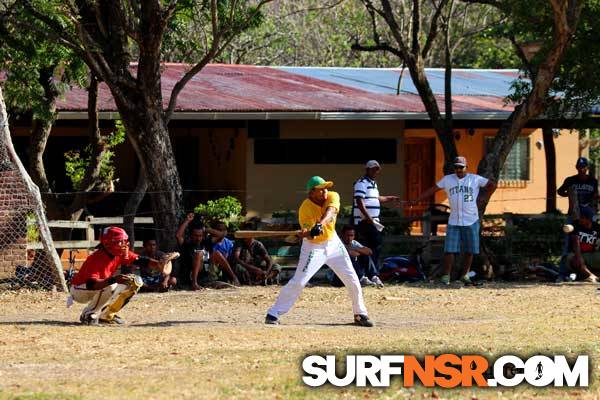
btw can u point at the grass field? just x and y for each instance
(213, 344)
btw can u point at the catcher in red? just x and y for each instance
(105, 293)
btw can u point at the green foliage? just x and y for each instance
(486, 51)
(595, 150)
(303, 32)
(33, 232)
(227, 209)
(76, 162)
(189, 35)
(530, 238)
(576, 85)
(37, 70)
(394, 222)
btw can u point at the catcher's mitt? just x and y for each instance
(131, 280)
(165, 262)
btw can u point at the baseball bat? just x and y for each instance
(256, 234)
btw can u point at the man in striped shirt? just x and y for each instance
(365, 212)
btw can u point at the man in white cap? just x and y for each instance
(462, 233)
(320, 245)
(365, 215)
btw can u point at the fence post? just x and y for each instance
(508, 223)
(427, 234)
(89, 231)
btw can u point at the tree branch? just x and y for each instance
(433, 29)
(416, 27)
(215, 49)
(380, 47)
(388, 15)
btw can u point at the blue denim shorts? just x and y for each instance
(462, 239)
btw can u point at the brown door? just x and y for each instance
(419, 169)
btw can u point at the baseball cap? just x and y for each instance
(461, 161)
(372, 164)
(586, 212)
(316, 182)
(582, 162)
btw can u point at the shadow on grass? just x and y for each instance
(131, 325)
(495, 285)
(176, 323)
(42, 322)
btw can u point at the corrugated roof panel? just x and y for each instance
(385, 81)
(243, 88)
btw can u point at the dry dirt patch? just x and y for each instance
(212, 344)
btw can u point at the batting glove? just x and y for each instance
(316, 230)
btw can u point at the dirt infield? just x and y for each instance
(212, 344)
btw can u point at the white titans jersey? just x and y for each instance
(462, 196)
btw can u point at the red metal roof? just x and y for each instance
(243, 88)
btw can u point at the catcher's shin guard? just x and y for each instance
(121, 297)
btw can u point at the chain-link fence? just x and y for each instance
(23, 260)
(27, 254)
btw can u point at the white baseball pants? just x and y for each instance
(97, 300)
(312, 257)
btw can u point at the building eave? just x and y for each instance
(296, 115)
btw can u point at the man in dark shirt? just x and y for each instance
(582, 246)
(584, 185)
(252, 256)
(198, 251)
(585, 188)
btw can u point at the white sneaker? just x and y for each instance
(377, 281)
(364, 281)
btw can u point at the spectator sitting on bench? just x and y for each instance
(582, 257)
(154, 281)
(225, 246)
(361, 258)
(200, 263)
(220, 242)
(251, 256)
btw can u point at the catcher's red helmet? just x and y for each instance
(115, 241)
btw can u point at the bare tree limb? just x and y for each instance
(388, 15)
(381, 47)
(309, 9)
(215, 50)
(434, 27)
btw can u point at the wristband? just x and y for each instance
(111, 280)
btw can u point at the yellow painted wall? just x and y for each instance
(516, 197)
(220, 161)
(282, 187)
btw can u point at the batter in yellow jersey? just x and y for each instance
(321, 245)
(310, 213)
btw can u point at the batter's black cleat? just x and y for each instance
(115, 321)
(88, 320)
(363, 320)
(271, 320)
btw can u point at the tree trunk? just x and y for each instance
(442, 127)
(131, 207)
(565, 24)
(40, 130)
(149, 136)
(550, 153)
(92, 172)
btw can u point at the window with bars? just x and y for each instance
(516, 167)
